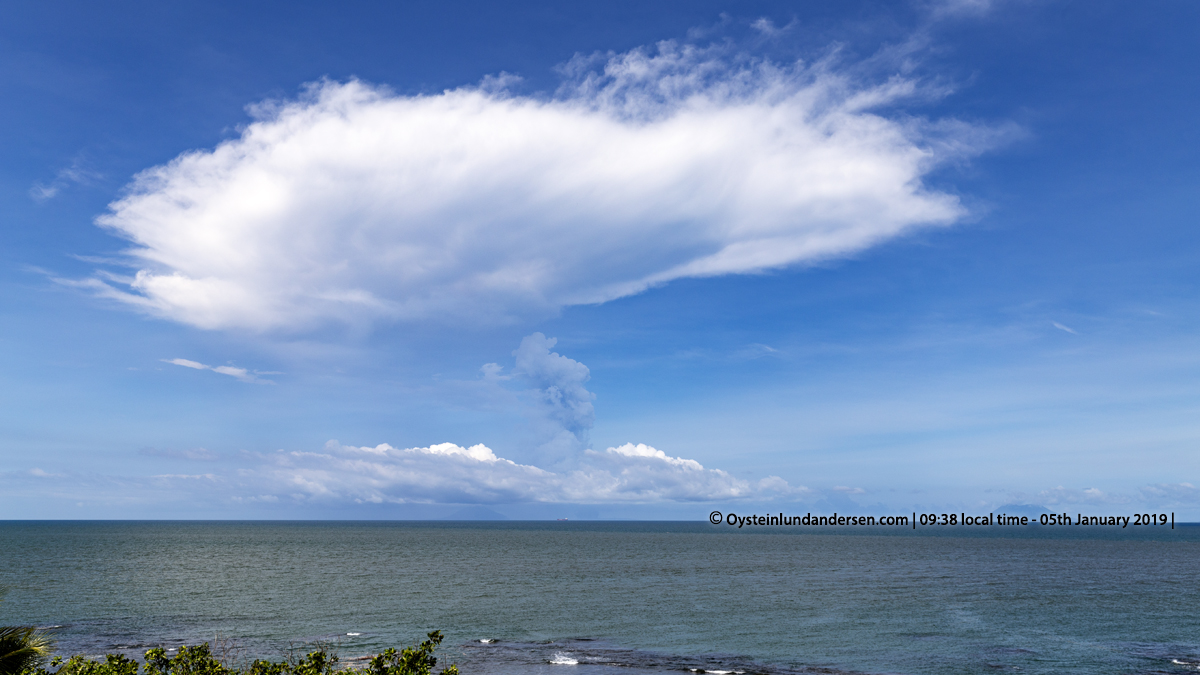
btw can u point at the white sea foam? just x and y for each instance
(353, 633)
(563, 659)
(487, 641)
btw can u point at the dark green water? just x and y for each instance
(621, 597)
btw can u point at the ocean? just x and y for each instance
(608, 598)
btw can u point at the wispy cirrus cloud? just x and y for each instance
(352, 204)
(195, 454)
(77, 173)
(252, 376)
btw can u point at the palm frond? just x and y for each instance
(23, 647)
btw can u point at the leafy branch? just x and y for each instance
(199, 660)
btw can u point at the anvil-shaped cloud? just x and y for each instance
(353, 204)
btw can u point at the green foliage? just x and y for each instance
(24, 650)
(316, 663)
(199, 660)
(196, 660)
(417, 660)
(113, 664)
(261, 667)
(22, 647)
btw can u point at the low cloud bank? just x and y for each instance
(1157, 493)
(353, 204)
(449, 473)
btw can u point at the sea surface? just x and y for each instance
(609, 598)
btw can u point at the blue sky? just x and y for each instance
(616, 260)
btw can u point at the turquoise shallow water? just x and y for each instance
(622, 597)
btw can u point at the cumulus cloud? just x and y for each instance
(449, 473)
(352, 204)
(240, 373)
(343, 475)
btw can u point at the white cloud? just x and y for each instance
(1156, 497)
(755, 350)
(1062, 496)
(769, 29)
(959, 8)
(341, 475)
(1063, 328)
(41, 193)
(77, 173)
(449, 473)
(240, 373)
(352, 204)
(195, 454)
(1170, 494)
